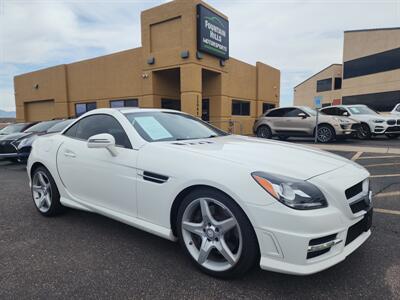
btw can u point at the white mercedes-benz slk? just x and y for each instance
(231, 201)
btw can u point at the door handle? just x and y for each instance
(69, 154)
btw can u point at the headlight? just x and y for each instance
(297, 194)
(378, 121)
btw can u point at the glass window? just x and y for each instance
(81, 108)
(384, 101)
(379, 62)
(361, 110)
(168, 126)
(293, 112)
(60, 126)
(42, 126)
(240, 108)
(324, 85)
(171, 104)
(124, 103)
(276, 112)
(338, 83)
(267, 106)
(332, 111)
(13, 128)
(96, 124)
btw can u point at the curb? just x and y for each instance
(382, 150)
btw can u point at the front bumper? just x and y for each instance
(346, 129)
(285, 234)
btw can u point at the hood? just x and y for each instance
(15, 136)
(276, 157)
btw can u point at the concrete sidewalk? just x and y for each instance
(332, 147)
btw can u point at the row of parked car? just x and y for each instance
(334, 122)
(16, 139)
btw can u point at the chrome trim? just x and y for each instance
(323, 246)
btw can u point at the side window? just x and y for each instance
(342, 112)
(293, 112)
(276, 113)
(332, 111)
(96, 124)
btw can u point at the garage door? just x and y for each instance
(39, 110)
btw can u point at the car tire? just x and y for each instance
(392, 136)
(45, 194)
(325, 134)
(264, 132)
(364, 132)
(216, 235)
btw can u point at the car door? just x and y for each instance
(94, 176)
(277, 120)
(297, 124)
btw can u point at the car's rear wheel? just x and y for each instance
(392, 135)
(45, 193)
(325, 134)
(264, 132)
(364, 132)
(216, 234)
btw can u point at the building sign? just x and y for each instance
(212, 33)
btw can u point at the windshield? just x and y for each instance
(361, 110)
(160, 126)
(60, 126)
(13, 128)
(42, 126)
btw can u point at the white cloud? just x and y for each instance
(298, 37)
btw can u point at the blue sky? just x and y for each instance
(297, 37)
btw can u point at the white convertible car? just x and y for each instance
(231, 201)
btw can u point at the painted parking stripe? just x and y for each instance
(385, 175)
(376, 157)
(387, 211)
(381, 165)
(387, 194)
(356, 156)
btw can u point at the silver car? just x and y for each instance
(298, 121)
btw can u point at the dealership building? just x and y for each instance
(183, 64)
(369, 74)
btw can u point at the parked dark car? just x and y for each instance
(15, 128)
(25, 145)
(9, 143)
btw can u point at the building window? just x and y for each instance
(326, 104)
(378, 101)
(124, 103)
(240, 108)
(324, 85)
(338, 83)
(267, 106)
(171, 104)
(371, 64)
(81, 108)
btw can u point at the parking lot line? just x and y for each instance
(384, 175)
(381, 165)
(356, 156)
(374, 157)
(387, 194)
(387, 211)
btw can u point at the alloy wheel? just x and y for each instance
(41, 191)
(212, 234)
(324, 134)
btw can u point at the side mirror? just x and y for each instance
(302, 115)
(346, 114)
(103, 140)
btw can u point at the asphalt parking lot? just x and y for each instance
(83, 255)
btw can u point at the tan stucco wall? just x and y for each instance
(167, 30)
(305, 92)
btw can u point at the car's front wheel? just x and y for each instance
(364, 132)
(216, 234)
(45, 193)
(325, 134)
(264, 132)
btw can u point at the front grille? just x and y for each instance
(393, 129)
(6, 147)
(359, 206)
(354, 190)
(360, 227)
(391, 122)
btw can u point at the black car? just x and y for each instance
(25, 145)
(9, 143)
(15, 128)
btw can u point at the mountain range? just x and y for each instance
(7, 114)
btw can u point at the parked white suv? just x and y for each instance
(372, 123)
(396, 110)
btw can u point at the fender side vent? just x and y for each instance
(153, 177)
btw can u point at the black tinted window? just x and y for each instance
(324, 85)
(338, 83)
(97, 124)
(267, 106)
(124, 103)
(171, 104)
(276, 113)
(240, 108)
(293, 112)
(330, 111)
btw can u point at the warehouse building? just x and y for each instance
(183, 64)
(369, 74)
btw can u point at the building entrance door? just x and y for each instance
(205, 110)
